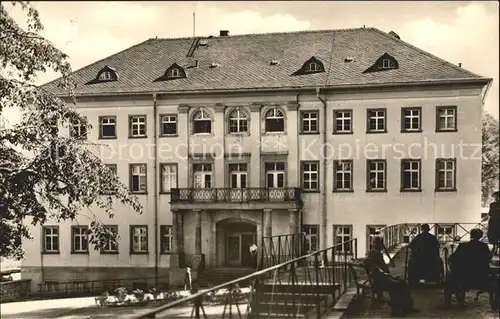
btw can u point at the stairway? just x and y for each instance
(298, 301)
(216, 276)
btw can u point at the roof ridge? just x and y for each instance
(98, 61)
(268, 33)
(425, 52)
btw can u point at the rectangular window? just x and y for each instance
(80, 240)
(376, 171)
(107, 127)
(342, 121)
(166, 238)
(446, 118)
(310, 176)
(78, 130)
(275, 174)
(445, 232)
(311, 238)
(446, 174)
(168, 125)
(111, 242)
(342, 175)
(202, 177)
(376, 120)
(410, 174)
(137, 126)
(371, 232)
(168, 177)
(411, 119)
(50, 239)
(138, 239)
(138, 178)
(342, 234)
(106, 188)
(309, 120)
(238, 175)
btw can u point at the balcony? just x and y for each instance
(235, 198)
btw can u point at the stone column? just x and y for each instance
(180, 237)
(197, 242)
(268, 232)
(293, 214)
(174, 257)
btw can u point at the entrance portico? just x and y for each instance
(234, 236)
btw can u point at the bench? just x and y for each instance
(363, 280)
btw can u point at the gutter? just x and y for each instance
(486, 90)
(299, 226)
(155, 172)
(324, 154)
(483, 81)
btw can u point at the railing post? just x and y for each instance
(318, 298)
(279, 249)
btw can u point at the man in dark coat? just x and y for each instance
(399, 292)
(424, 258)
(494, 223)
(470, 263)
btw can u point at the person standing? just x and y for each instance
(494, 223)
(188, 279)
(253, 253)
(424, 258)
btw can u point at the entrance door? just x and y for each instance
(233, 250)
(371, 232)
(247, 260)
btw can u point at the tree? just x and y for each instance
(43, 173)
(490, 155)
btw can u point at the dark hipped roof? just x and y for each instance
(244, 63)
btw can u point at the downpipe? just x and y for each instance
(155, 170)
(324, 162)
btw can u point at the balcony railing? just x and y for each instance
(235, 195)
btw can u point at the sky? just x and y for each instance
(460, 31)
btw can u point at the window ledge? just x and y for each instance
(167, 253)
(107, 137)
(50, 252)
(140, 136)
(309, 133)
(342, 132)
(445, 190)
(139, 253)
(376, 132)
(308, 191)
(343, 190)
(238, 134)
(203, 134)
(446, 131)
(137, 193)
(109, 252)
(274, 133)
(169, 135)
(411, 131)
(79, 252)
(404, 190)
(376, 190)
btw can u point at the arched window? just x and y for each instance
(174, 73)
(386, 64)
(313, 67)
(275, 120)
(238, 121)
(105, 76)
(202, 123)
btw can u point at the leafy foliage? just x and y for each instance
(45, 174)
(490, 148)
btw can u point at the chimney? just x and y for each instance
(223, 33)
(459, 64)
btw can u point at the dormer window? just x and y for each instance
(312, 65)
(174, 72)
(386, 64)
(106, 74)
(383, 63)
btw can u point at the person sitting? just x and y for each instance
(399, 292)
(470, 263)
(424, 260)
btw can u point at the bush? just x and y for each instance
(121, 294)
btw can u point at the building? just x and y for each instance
(227, 139)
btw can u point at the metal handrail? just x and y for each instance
(196, 297)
